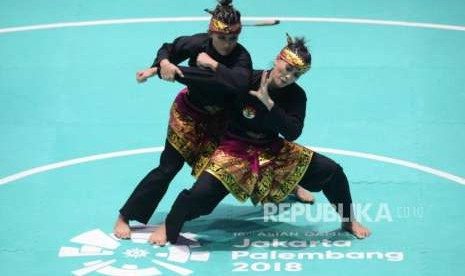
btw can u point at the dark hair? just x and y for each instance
(298, 46)
(226, 13)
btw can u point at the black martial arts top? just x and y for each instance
(252, 121)
(208, 88)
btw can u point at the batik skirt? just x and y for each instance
(194, 132)
(263, 173)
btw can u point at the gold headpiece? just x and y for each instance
(293, 58)
(218, 26)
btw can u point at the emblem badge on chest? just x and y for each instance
(249, 112)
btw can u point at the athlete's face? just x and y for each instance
(224, 43)
(283, 74)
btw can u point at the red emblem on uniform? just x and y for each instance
(249, 112)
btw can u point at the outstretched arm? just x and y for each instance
(233, 79)
(143, 75)
(171, 54)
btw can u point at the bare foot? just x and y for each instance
(304, 195)
(158, 236)
(121, 229)
(356, 229)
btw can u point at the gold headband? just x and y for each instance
(218, 26)
(294, 60)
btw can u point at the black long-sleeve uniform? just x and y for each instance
(206, 88)
(286, 119)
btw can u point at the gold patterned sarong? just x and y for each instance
(194, 133)
(261, 173)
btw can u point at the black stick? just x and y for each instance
(263, 23)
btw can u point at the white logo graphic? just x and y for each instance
(168, 258)
(136, 253)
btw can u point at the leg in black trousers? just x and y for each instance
(149, 192)
(322, 174)
(325, 175)
(200, 200)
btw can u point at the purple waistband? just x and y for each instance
(188, 108)
(251, 153)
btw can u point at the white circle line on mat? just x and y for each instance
(193, 19)
(71, 162)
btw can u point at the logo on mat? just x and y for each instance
(134, 257)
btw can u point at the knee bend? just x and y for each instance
(332, 171)
(206, 210)
(198, 209)
(170, 170)
(193, 214)
(338, 169)
(333, 168)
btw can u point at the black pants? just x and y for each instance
(323, 174)
(149, 192)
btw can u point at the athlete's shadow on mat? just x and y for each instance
(229, 225)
